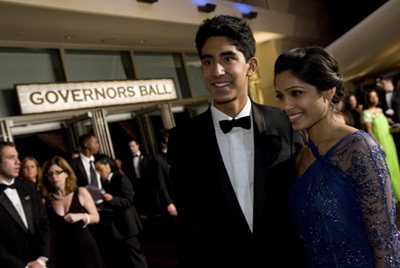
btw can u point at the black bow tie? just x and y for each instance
(227, 125)
(5, 186)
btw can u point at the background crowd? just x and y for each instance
(94, 217)
(376, 110)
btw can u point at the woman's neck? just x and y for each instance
(322, 131)
(60, 192)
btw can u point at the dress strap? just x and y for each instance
(314, 149)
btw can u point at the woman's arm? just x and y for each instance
(86, 200)
(374, 191)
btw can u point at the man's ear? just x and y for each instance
(253, 65)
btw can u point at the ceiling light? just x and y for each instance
(147, 1)
(207, 8)
(69, 36)
(251, 15)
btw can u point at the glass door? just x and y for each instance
(5, 133)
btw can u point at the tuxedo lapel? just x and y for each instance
(82, 170)
(26, 201)
(9, 207)
(267, 147)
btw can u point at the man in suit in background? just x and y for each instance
(24, 227)
(120, 224)
(139, 168)
(83, 165)
(386, 97)
(232, 165)
(163, 179)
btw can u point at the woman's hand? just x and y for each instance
(107, 197)
(75, 217)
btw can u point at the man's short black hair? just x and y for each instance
(234, 28)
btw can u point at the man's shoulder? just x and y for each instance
(193, 124)
(268, 109)
(271, 115)
(25, 183)
(76, 161)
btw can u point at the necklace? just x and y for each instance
(60, 197)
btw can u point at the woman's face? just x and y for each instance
(29, 171)
(57, 176)
(103, 169)
(301, 102)
(373, 99)
(353, 102)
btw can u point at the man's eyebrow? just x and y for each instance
(226, 53)
(205, 56)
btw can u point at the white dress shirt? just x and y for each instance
(136, 164)
(389, 98)
(86, 165)
(237, 150)
(12, 194)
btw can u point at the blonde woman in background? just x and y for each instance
(31, 170)
(70, 209)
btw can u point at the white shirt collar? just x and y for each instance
(109, 177)
(87, 159)
(7, 183)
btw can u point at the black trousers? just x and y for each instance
(120, 252)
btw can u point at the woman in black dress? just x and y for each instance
(71, 209)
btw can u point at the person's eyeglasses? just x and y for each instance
(58, 172)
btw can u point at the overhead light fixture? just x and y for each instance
(147, 1)
(251, 15)
(207, 8)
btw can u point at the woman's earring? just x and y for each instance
(332, 106)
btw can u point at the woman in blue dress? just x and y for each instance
(342, 201)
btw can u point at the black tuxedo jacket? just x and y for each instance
(213, 231)
(396, 106)
(163, 180)
(19, 245)
(80, 172)
(120, 213)
(146, 168)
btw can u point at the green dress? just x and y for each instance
(381, 130)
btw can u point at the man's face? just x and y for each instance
(93, 145)
(387, 85)
(134, 147)
(10, 164)
(226, 71)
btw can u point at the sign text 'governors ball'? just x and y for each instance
(37, 98)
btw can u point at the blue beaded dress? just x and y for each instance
(343, 206)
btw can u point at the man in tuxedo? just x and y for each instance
(139, 168)
(387, 95)
(163, 179)
(232, 166)
(120, 224)
(24, 227)
(83, 165)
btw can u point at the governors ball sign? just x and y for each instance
(41, 98)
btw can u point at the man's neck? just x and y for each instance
(232, 108)
(6, 180)
(87, 154)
